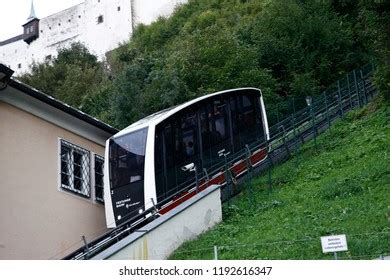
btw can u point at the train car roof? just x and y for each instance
(159, 116)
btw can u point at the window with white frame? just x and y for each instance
(99, 167)
(75, 169)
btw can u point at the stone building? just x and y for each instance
(100, 24)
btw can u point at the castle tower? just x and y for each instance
(31, 28)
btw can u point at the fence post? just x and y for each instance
(293, 102)
(301, 137)
(248, 161)
(215, 253)
(270, 164)
(296, 142)
(340, 100)
(206, 174)
(86, 247)
(357, 88)
(327, 109)
(249, 181)
(154, 206)
(314, 126)
(196, 179)
(349, 92)
(227, 174)
(364, 87)
(284, 141)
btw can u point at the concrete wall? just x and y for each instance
(37, 219)
(80, 23)
(160, 238)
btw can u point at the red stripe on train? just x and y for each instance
(218, 180)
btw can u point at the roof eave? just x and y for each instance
(61, 106)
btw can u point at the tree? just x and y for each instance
(72, 76)
(286, 48)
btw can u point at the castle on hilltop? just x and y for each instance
(100, 24)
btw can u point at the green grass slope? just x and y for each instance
(343, 187)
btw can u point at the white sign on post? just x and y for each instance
(334, 243)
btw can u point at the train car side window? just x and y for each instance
(215, 130)
(159, 164)
(169, 155)
(235, 123)
(248, 112)
(189, 135)
(220, 119)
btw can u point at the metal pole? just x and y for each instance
(270, 164)
(293, 101)
(154, 206)
(357, 88)
(293, 123)
(215, 253)
(207, 176)
(248, 161)
(249, 168)
(196, 179)
(270, 178)
(339, 103)
(339, 95)
(349, 92)
(364, 87)
(327, 109)
(314, 126)
(296, 142)
(335, 255)
(86, 246)
(227, 177)
(284, 141)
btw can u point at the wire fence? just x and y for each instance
(294, 104)
(287, 136)
(373, 245)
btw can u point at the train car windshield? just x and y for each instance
(127, 158)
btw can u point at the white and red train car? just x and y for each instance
(144, 162)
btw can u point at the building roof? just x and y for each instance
(30, 91)
(11, 40)
(164, 114)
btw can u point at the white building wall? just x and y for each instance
(114, 29)
(147, 11)
(80, 23)
(16, 54)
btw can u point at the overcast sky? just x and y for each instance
(14, 13)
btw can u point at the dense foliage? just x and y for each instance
(286, 48)
(340, 188)
(74, 76)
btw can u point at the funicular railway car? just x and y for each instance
(145, 161)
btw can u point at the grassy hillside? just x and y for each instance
(343, 187)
